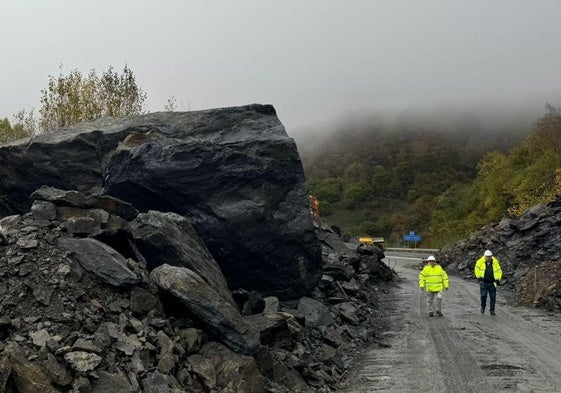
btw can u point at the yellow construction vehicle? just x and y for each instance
(368, 241)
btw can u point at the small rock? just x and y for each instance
(82, 361)
(40, 337)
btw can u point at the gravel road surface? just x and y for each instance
(518, 350)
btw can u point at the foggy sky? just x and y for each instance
(316, 61)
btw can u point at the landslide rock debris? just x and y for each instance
(68, 327)
(175, 252)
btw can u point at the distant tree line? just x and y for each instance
(443, 183)
(507, 184)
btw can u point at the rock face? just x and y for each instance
(233, 172)
(222, 319)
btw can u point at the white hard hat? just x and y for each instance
(431, 258)
(488, 253)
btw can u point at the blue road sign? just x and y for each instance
(412, 237)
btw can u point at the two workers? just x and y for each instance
(434, 280)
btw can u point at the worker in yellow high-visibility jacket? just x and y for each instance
(489, 274)
(433, 279)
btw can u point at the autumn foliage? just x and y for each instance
(442, 183)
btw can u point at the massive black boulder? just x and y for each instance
(233, 173)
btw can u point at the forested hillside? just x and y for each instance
(440, 179)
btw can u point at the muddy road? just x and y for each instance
(517, 350)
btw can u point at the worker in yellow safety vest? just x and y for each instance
(433, 279)
(489, 274)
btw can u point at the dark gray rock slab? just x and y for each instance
(168, 238)
(218, 315)
(143, 301)
(274, 327)
(100, 260)
(28, 376)
(315, 313)
(220, 369)
(111, 383)
(43, 210)
(5, 372)
(58, 372)
(82, 200)
(155, 382)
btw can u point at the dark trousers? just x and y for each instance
(488, 287)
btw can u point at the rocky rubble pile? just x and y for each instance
(97, 297)
(529, 252)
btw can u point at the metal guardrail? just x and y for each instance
(427, 250)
